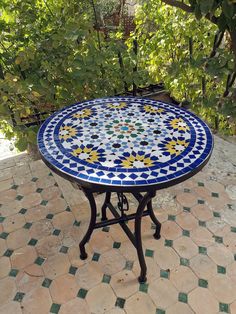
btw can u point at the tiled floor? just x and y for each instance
(191, 269)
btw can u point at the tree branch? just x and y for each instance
(178, 4)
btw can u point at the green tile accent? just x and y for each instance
(106, 278)
(200, 184)
(233, 229)
(184, 261)
(64, 249)
(223, 307)
(39, 260)
(27, 225)
(2, 219)
(39, 190)
(116, 245)
(50, 174)
(68, 209)
(4, 235)
(73, 270)
(82, 293)
(169, 243)
(183, 297)
(55, 184)
(55, 308)
(13, 272)
(143, 287)
(235, 257)
(221, 269)
(201, 201)
(216, 214)
(23, 211)
(56, 232)
(19, 296)
(32, 242)
(8, 253)
(229, 206)
(95, 257)
(202, 223)
(129, 265)
(160, 311)
(19, 197)
(46, 283)
(171, 217)
(44, 202)
(49, 216)
(164, 273)
(186, 233)
(34, 179)
(106, 229)
(202, 250)
(120, 302)
(76, 223)
(149, 253)
(186, 209)
(62, 196)
(213, 194)
(203, 283)
(218, 239)
(187, 190)
(14, 187)
(98, 215)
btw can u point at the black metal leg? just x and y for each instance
(138, 219)
(89, 195)
(155, 221)
(104, 206)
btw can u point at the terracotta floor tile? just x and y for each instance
(63, 220)
(37, 302)
(7, 196)
(6, 184)
(56, 205)
(51, 193)
(45, 182)
(203, 266)
(202, 301)
(139, 303)
(231, 271)
(220, 254)
(153, 269)
(111, 262)
(202, 192)
(202, 237)
(31, 200)
(18, 238)
(48, 246)
(166, 258)
(233, 307)
(179, 308)
(128, 250)
(74, 255)
(214, 186)
(11, 308)
(23, 257)
(22, 179)
(115, 310)
(185, 247)
(187, 199)
(8, 290)
(10, 208)
(202, 212)
(5, 266)
(75, 306)
(25, 282)
(163, 293)
(223, 288)
(36, 213)
(124, 284)
(100, 298)
(217, 226)
(27, 188)
(170, 230)
(13, 222)
(41, 229)
(101, 241)
(230, 241)
(89, 275)
(3, 246)
(34, 270)
(183, 279)
(64, 288)
(187, 221)
(56, 265)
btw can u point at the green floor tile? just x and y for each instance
(47, 282)
(171, 217)
(200, 184)
(116, 245)
(27, 225)
(218, 239)
(235, 257)
(55, 308)
(164, 273)
(39, 190)
(202, 250)
(23, 211)
(82, 293)
(19, 197)
(105, 229)
(233, 229)
(44, 202)
(95, 257)
(143, 287)
(120, 302)
(68, 209)
(186, 233)
(203, 283)
(187, 190)
(149, 253)
(14, 187)
(13, 272)
(184, 261)
(77, 223)
(32, 242)
(2, 219)
(106, 278)
(221, 269)
(160, 311)
(73, 270)
(34, 179)
(223, 307)
(216, 214)
(64, 249)
(8, 253)
(169, 243)
(129, 265)
(202, 223)
(183, 297)
(201, 201)
(19, 296)
(49, 216)
(213, 194)
(4, 235)
(39, 260)
(187, 209)
(56, 232)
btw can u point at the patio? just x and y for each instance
(191, 269)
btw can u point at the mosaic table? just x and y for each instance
(124, 145)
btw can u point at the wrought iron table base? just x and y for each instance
(121, 218)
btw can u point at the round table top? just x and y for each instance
(125, 142)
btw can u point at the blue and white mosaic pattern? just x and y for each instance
(125, 141)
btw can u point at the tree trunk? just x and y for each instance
(233, 45)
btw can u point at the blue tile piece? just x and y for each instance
(125, 141)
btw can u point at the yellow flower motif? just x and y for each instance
(176, 146)
(117, 105)
(83, 114)
(152, 109)
(179, 124)
(137, 161)
(86, 153)
(67, 132)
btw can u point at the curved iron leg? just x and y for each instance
(155, 221)
(89, 195)
(142, 278)
(104, 206)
